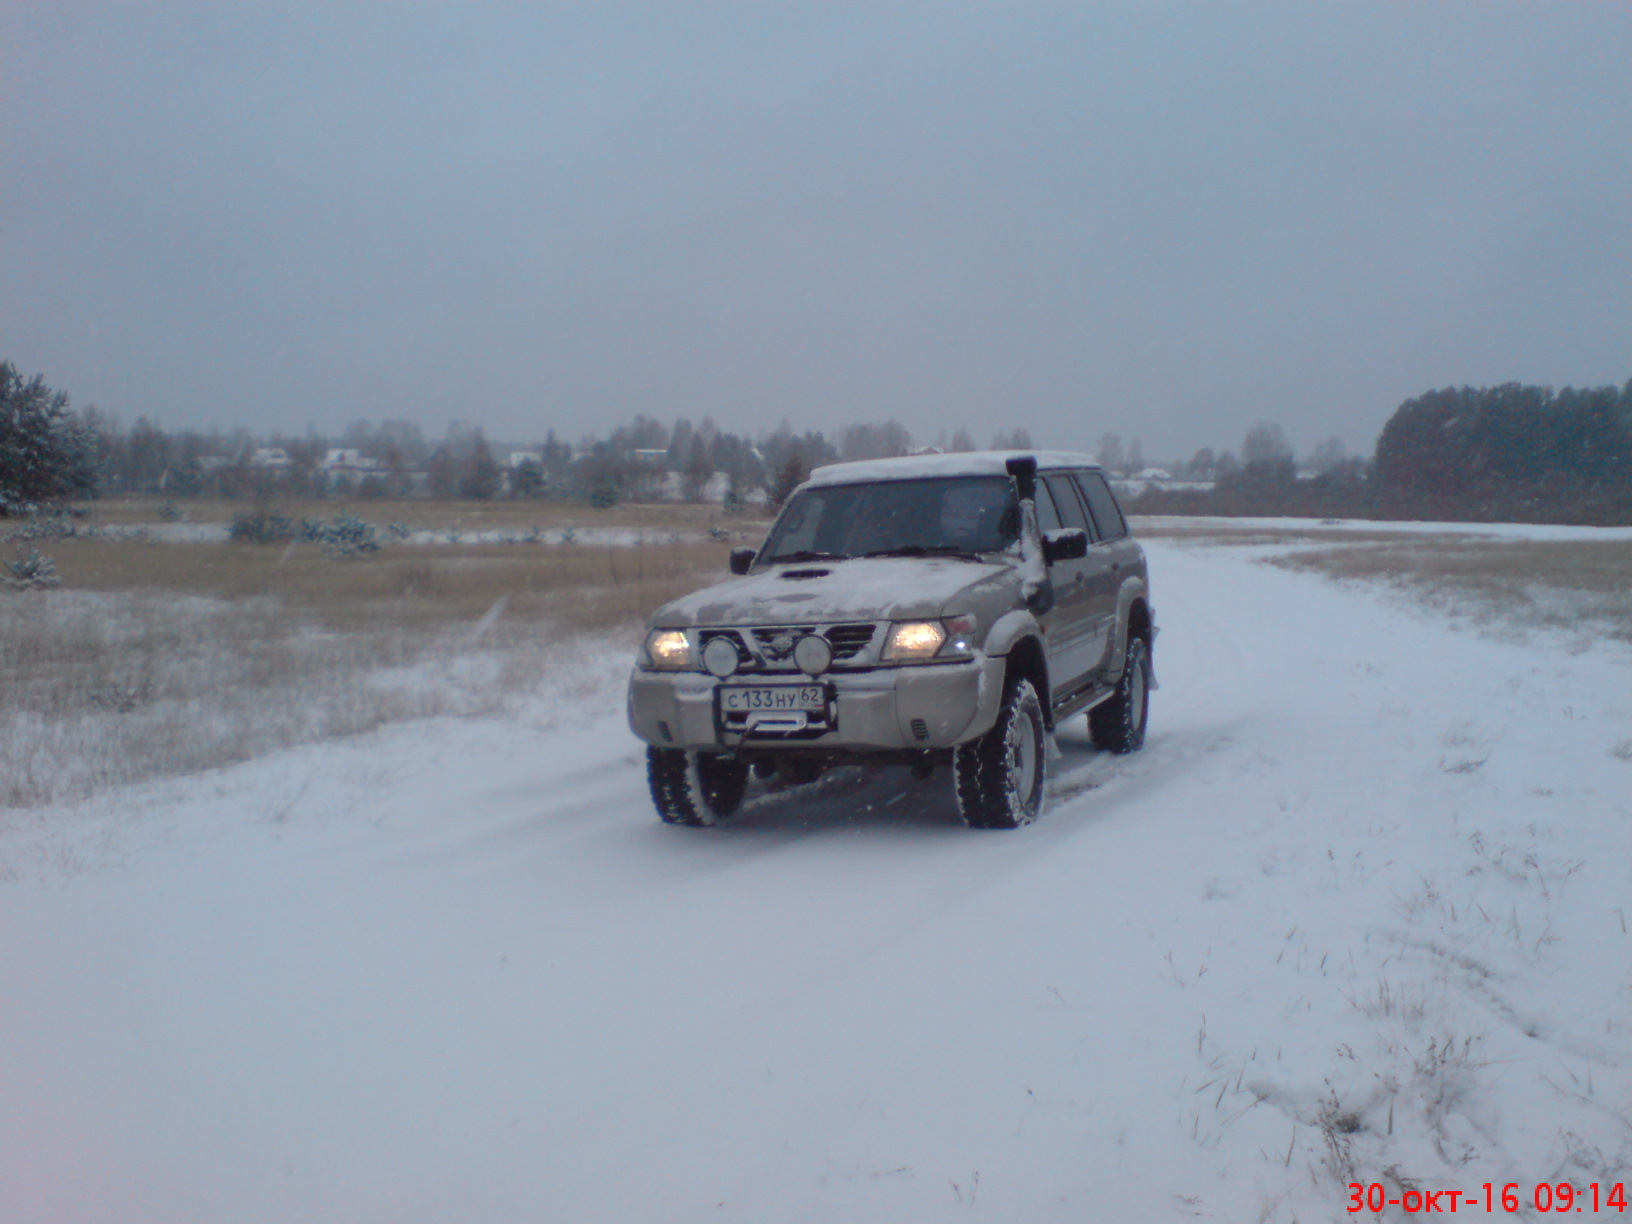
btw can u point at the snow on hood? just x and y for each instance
(863, 588)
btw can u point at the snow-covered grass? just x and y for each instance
(1577, 586)
(1509, 578)
(158, 659)
(1357, 912)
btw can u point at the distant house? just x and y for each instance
(657, 458)
(269, 457)
(348, 459)
(517, 458)
(345, 467)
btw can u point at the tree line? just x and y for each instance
(48, 452)
(1513, 452)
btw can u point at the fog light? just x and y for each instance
(813, 653)
(720, 657)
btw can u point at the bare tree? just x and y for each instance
(1110, 453)
(1018, 438)
(1265, 443)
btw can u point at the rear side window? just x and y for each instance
(1066, 500)
(1107, 514)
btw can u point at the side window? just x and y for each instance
(1112, 526)
(1048, 518)
(1070, 506)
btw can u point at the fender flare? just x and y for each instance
(1011, 630)
(1134, 590)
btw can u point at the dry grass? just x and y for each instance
(1224, 531)
(1515, 585)
(155, 659)
(424, 515)
(410, 586)
(1544, 584)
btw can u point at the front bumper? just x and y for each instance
(932, 705)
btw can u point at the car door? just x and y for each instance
(1109, 554)
(1072, 652)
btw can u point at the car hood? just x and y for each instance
(863, 588)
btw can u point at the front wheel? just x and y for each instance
(694, 788)
(1118, 725)
(1000, 775)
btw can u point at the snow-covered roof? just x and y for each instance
(923, 467)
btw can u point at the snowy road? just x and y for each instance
(1361, 904)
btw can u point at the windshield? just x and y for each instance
(955, 515)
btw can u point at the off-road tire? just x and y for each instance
(1000, 776)
(1118, 725)
(694, 788)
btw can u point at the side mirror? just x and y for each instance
(742, 558)
(1065, 544)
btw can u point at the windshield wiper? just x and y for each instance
(807, 555)
(926, 550)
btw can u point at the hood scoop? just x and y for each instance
(796, 575)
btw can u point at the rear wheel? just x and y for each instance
(1118, 725)
(1000, 775)
(694, 788)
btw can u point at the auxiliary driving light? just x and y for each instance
(813, 653)
(720, 657)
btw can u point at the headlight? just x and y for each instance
(914, 641)
(925, 641)
(668, 649)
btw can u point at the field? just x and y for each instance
(258, 647)
(1510, 581)
(411, 945)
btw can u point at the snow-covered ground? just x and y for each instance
(1359, 910)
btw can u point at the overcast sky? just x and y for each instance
(1166, 220)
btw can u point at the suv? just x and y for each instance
(937, 610)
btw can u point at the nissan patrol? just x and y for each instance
(931, 611)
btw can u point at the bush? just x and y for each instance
(35, 571)
(261, 527)
(348, 535)
(52, 525)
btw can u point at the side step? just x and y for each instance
(1087, 699)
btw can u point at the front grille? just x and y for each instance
(770, 647)
(849, 640)
(776, 642)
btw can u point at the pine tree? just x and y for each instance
(45, 454)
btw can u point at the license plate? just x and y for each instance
(780, 697)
